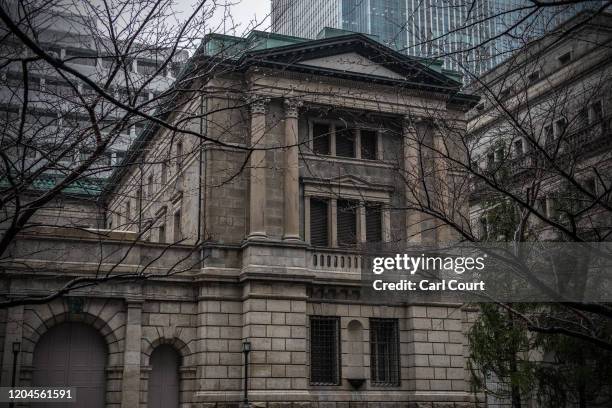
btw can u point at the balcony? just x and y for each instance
(341, 262)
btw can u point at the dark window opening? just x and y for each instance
(318, 222)
(373, 222)
(548, 134)
(324, 350)
(534, 77)
(345, 143)
(565, 58)
(368, 144)
(518, 147)
(597, 111)
(347, 222)
(384, 352)
(320, 138)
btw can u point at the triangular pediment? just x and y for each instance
(356, 56)
(353, 62)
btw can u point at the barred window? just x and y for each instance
(324, 350)
(347, 222)
(345, 142)
(318, 222)
(384, 352)
(320, 138)
(368, 144)
(373, 222)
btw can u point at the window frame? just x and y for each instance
(338, 352)
(394, 357)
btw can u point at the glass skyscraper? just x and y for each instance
(467, 34)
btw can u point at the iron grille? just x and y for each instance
(318, 222)
(324, 350)
(384, 352)
(347, 222)
(368, 144)
(320, 138)
(373, 223)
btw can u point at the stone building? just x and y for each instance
(253, 233)
(558, 89)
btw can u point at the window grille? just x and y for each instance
(347, 222)
(318, 222)
(373, 222)
(324, 350)
(320, 135)
(384, 352)
(345, 143)
(368, 144)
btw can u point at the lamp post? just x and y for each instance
(16, 349)
(246, 349)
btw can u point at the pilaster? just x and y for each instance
(291, 227)
(257, 164)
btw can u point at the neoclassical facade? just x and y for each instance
(255, 233)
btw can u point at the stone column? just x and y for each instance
(130, 386)
(380, 155)
(413, 176)
(257, 163)
(443, 201)
(292, 172)
(333, 223)
(361, 225)
(386, 224)
(358, 143)
(307, 219)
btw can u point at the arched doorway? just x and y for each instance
(164, 380)
(72, 354)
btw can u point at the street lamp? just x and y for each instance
(16, 349)
(246, 349)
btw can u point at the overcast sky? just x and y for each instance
(245, 14)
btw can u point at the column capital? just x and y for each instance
(258, 104)
(291, 107)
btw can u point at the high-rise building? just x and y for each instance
(468, 35)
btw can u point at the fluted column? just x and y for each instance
(291, 174)
(257, 164)
(413, 178)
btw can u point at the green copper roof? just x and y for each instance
(231, 47)
(91, 187)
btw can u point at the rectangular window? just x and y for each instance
(347, 222)
(596, 112)
(518, 147)
(384, 352)
(162, 234)
(319, 235)
(150, 186)
(320, 138)
(582, 119)
(548, 134)
(164, 173)
(178, 235)
(534, 77)
(179, 155)
(345, 142)
(368, 144)
(565, 58)
(560, 126)
(324, 350)
(128, 210)
(373, 222)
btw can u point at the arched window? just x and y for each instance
(164, 380)
(72, 354)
